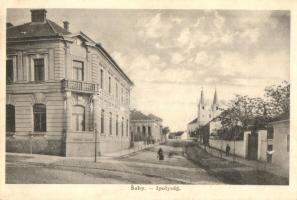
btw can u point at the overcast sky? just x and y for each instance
(170, 54)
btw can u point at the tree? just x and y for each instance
(278, 98)
(165, 130)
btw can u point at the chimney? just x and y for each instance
(66, 25)
(38, 15)
(8, 24)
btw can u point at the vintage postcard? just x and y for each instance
(176, 100)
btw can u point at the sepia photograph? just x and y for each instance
(147, 96)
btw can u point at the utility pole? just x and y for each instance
(95, 132)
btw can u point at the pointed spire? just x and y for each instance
(202, 97)
(215, 98)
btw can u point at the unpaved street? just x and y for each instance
(139, 168)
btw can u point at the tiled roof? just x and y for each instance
(35, 29)
(154, 117)
(137, 115)
(193, 121)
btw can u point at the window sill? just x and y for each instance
(36, 133)
(10, 133)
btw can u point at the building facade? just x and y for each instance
(65, 95)
(205, 114)
(147, 128)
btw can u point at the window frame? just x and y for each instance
(10, 118)
(40, 115)
(75, 118)
(12, 71)
(35, 71)
(77, 69)
(102, 121)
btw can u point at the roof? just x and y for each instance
(154, 117)
(281, 117)
(193, 121)
(36, 29)
(51, 29)
(178, 133)
(137, 115)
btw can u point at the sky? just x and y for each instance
(171, 54)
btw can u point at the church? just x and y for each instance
(205, 113)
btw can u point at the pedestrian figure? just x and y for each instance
(160, 154)
(228, 150)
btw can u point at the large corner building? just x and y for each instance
(64, 92)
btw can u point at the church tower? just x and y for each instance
(215, 105)
(202, 111)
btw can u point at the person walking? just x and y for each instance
(228, 150)
(160, 154)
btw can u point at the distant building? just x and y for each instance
(147, 128)
(205, 114)
(63, 89)
(179, 135)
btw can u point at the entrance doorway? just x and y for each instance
(253, 146)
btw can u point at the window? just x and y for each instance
(39, 69)
(122, 126)
(78, 71)
(270, 132)
(10, 118)
(202, 107)
(117, 125)
(149, 131)
(102, 121)
(217, 108)
(143, 130)
(78, 118)
(122, 96)
(109, 85)
(138, 129)
(9, 71)
(101, 78)
(39, 114)
(110, 123)
(127, 127)
(117, 95)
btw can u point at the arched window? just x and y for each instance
(10, 118)
(78, 118)
(39, 114)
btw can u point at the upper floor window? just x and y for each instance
(39, 69)
(122, 126)
(110, 123)
(149, 131)
(127, 127)
(39, 114)
(10, 118)
(78, 118)
(109, 85)
(101, 78)
(117, 91)
(9, 71)
(117, 125)
(78, 70)
(102, 121)
(138, 129)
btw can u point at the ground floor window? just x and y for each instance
(39, 114)
(10, 118)
(78, 118)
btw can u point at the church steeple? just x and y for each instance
(215, 98)
(201, 102)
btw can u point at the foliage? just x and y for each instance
(245, 111)
(278, 98)
(165, 130)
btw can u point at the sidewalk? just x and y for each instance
(48, 159)
(261, 166)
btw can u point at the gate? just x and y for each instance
(253, 146)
